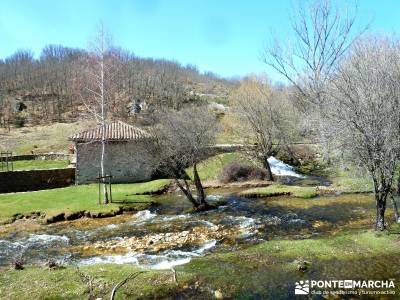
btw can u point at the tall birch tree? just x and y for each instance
(99, 70)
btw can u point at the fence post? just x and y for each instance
(7, 161)
(109, 182)
(98, 177)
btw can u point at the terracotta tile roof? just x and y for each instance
(115, 131)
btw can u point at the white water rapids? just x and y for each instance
(164, 260)
(278, 167)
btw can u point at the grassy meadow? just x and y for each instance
(77, 198)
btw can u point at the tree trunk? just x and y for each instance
(103, 153)
(398, 185)
(380, 213)
(395, 210)
(268, 168)
(59, 108)
(201, 197)
(103, 120)
(324, 143)
(187, 193)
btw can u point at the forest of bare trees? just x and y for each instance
(48, 86)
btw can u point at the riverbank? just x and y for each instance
(268, 270)
(69, 203)
(77, 201)
(49, 206)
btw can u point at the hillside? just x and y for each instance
(40, 138)
(53, 87)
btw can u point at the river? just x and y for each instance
(167, 236)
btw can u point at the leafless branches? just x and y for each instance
(268, 118)
(123, 281)
(364, 113)
(323, 33)
(180, 140)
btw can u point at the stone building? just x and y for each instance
(123, 155)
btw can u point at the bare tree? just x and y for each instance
(96, 90)
(364, 113)
(182, 139)
(322, 35)
(267, 118)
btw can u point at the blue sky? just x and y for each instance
(222, 36)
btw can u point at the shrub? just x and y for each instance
(52, 264)
(18, 264)
(19, 121)
(237, 172)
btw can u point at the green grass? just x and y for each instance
(348, 182)
(37, 164)
(41, 138)
(76, 198)
(343, 246)
(150, 187)
(211, 168)
(267, 270)
(313, 167)
(65, 283)
(278, 190)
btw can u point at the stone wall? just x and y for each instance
(53, 156)
(22, 157)
(124, 160)
(41, 156)
(33, 180)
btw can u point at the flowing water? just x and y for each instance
(167, 236)
(278, 167)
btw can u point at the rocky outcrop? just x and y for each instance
(169, 240)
